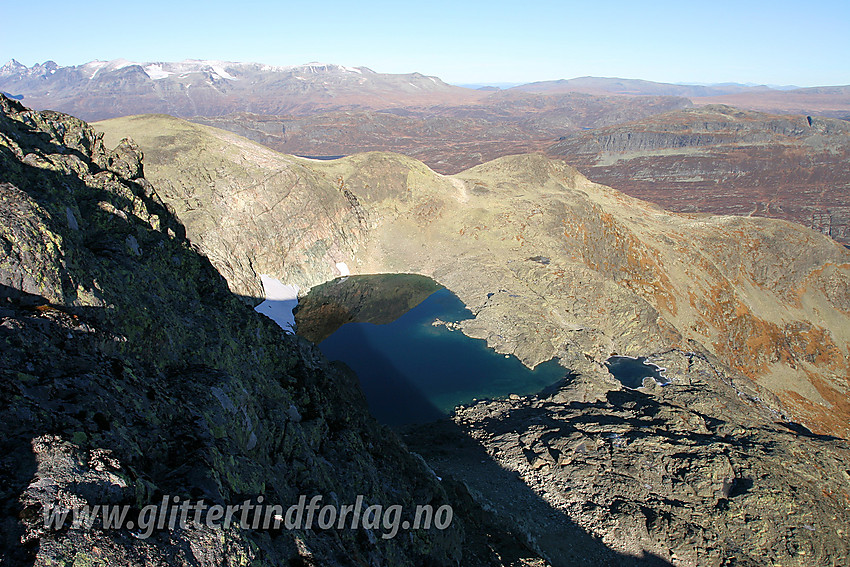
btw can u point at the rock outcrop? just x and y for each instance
(362, 299)
(686, 473)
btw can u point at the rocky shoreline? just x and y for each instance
(684, 474)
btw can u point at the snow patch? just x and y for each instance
(156, 72)
(343, 269)
(219, 70)
(94, 68)
(275, 68)
(281, 299)
(116, 64)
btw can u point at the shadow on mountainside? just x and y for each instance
(500, 502)
(76, 402)
(525, 522)
(165, 383)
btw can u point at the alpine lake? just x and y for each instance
(400, 334)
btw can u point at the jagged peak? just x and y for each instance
(49, 65)
(12, 67)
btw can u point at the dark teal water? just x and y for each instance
(414, 372)
(631, 371)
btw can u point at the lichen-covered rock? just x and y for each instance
(695, 473)
(128, 371)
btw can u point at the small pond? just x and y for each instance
(631, 372)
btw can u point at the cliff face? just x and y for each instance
(128, 371)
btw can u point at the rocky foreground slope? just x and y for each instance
(129, 372)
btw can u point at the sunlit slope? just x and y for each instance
(552, 264)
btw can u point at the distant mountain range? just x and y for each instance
(833, 102)
(606, 85)
(657, 141)
(100, 89)
(104, 89)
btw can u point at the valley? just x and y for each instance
(703, 157)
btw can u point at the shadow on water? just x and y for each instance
(530, 526)
(518, 523)
(393, 399)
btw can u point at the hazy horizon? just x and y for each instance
(465, 84)
(777, 43)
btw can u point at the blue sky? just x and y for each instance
(776, 42)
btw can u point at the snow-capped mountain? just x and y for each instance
(104, 89)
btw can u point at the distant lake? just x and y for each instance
(324, 158)
(411, 369)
